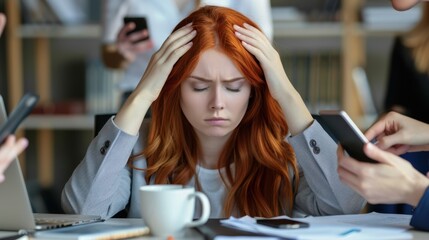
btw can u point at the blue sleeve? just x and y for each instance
(421, 213)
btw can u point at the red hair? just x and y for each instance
(261, 184)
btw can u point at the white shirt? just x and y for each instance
(162, 16)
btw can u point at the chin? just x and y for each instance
(220, 133)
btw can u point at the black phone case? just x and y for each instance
(346, 132)
(21, 111)
(141, 24)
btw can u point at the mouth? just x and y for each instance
(216, 121)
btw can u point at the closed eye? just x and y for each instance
(233, 89)
(200, 89)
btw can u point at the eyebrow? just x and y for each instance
(208, 80)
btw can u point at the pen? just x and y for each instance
(350, 231)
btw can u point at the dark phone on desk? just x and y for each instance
(346, 132)
(21, 111)
(283, 223)
(141, 24)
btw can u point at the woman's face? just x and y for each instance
(215, 96)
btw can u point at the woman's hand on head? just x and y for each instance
(259, 45)
(296, 113)
(162, 62)
(131, 114)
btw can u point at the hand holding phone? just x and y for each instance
(283, 223)
(21, 111)
(346, 132)
(140, 23)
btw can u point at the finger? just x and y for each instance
(2, 22)
(376, 130)
(1, 177)
(399, 149)
(176, 54)
(389, 141)
(122, 35)
(173, 48)
(348, 162)
(252, 36)
(427, 174)
(257, 32)
(377, 154)
(173, 37)
(254, 51)
(138, 36)
(349, 178)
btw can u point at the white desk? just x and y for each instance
(193, 234)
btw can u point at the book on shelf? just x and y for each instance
(316, 76)
(102, 92)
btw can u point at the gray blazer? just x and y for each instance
(102, 184)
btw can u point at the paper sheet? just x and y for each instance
(356, 226)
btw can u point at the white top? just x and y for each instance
(162, 16)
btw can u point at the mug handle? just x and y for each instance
(205, 204)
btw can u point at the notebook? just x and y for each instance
(124, 228)
(15, 209)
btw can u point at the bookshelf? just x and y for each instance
(345, 40)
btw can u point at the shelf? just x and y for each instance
(303, 29)
(60, 31)
(385, 29)
(281, 29)
(59, 122)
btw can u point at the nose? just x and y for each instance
(217, 102)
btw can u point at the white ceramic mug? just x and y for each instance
(169, 209)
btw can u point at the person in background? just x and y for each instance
(11, 147)
(393, 179)
(408, 82)
(407, 88)
(120, 50)
(225, 120)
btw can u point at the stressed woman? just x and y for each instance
(226, 120)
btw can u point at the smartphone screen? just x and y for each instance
(140, 23)
(346, 132)
(283, 223)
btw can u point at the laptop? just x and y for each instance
(15, 208)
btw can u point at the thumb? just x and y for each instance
(377, 154)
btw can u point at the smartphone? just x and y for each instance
(346, 132)
(21, 111)
(283, 223)
(140, 23)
